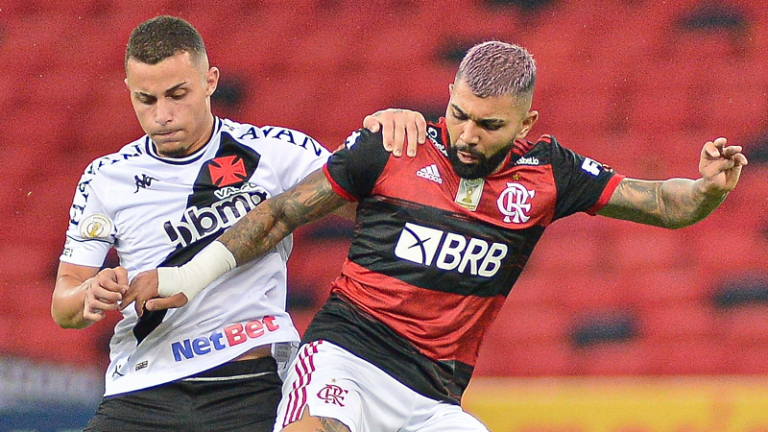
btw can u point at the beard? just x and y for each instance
(482, 167)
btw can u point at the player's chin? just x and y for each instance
(171, 149)
(467, 159)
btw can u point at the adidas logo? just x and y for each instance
(430, 173)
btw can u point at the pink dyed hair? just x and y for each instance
(494, 68)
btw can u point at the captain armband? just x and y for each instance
(191, 278)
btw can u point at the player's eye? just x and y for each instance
(490, 126)
(458, 115)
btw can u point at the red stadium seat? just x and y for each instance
(747, 249)
(534, 290)
(38, 338)
(573, 244)
(583, 291)
(743, 357)
(27, 329)
(641, 247)
(104, 131)
(507, 358)
(693, 320)
(34, 38)
(617, 358)
(315, 264)
(520, 323)
(747, 324)
(30, 260)
(649, 287)
(685, 356)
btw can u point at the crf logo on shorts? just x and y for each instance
(332, 394)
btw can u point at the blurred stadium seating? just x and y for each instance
(637, 84)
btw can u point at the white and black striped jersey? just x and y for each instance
(159, 211)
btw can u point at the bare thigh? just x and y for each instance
(308, 423)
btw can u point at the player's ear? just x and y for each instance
(211, 80)
(528, 123)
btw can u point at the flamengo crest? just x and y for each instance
(332, 394)
(514, 203)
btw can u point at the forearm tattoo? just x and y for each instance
(672, 203)
(263, 228)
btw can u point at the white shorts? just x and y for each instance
(332, 382)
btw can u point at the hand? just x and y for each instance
(396, 125)
(720, 166)
(103, 292)
(143, 292)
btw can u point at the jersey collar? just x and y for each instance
(152, 149)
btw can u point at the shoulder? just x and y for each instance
(542, 151)
(548, 151)
(126, 157)
(266, 137)
(438, 136)
(545, 142)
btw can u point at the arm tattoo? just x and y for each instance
(263, 228)
(673, 203)
(635, 200)
(331, 425)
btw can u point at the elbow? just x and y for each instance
(677, 226)
(674, 225)
(684, 221)
(66, 320)
(60, 319)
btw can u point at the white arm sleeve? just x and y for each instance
(191, 278)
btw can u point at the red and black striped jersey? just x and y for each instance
(434, 256)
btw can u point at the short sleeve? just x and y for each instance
(299, 155)
(583, 184)
(91, 230)
(354, 170)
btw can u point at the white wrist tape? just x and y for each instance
(191, 278)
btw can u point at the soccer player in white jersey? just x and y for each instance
(212, 365)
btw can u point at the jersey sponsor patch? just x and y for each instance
(469, 193)
(96, 226)
(224, 338)
(591, 166)
(352, 140)
(203, 221)
(449, 251)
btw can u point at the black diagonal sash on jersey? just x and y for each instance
(233, 165)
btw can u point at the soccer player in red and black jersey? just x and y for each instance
(439, 242)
